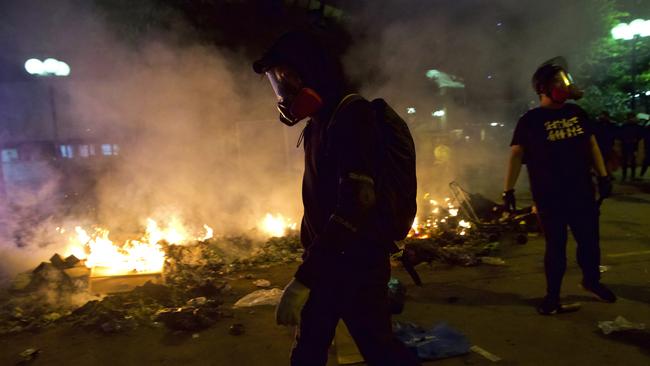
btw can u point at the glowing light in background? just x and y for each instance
(34, 66)
(276, 225)
(465, 224)
(637, 27)
(49, 67)
(143, 255)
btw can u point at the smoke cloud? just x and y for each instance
(196, 133)
(492, 47)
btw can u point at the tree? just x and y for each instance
(614, 70)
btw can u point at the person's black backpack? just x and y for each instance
(397, 185)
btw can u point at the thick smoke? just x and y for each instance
(493, 47)
(197, 133)
(190, 143)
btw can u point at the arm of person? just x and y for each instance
(354, 138)
(597, 157)
(514, 166)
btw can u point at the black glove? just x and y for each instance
(509, 200)
(604, 187)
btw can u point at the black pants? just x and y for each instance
(582, 218)
(358, 294)
(629, 159)
(646, 156)
(607, 152)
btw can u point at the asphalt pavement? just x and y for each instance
(493, 305)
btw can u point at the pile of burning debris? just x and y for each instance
(184, 294)
(465, 229)
(171, 277)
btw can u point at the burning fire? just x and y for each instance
(439, 217)
(276, 225)
(144, 255)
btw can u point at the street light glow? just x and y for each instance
(64, 69)
(440, 113)
(34, 66)
(637, 27)
(640, 27)
(410, 110)
(50, 66)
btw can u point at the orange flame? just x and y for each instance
(276, 225)
(144, 255)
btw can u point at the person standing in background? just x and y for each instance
(557, 143)
(605, 131)
(630, 134)
(646, 147)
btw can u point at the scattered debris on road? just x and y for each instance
(260, 297)
(619, 324)
(262, 283)
(440, 341)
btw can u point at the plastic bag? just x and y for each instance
(260, 297)
(619, 324)
(440, 341)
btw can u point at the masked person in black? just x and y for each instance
(630, 137)
(605, 132)
(344, 273)
(557, 144)
(646, 147)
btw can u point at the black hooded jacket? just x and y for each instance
(341, 159)
(338, 188)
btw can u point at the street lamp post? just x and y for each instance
(49, 67)
(633, 31)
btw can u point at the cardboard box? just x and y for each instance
(103, 284)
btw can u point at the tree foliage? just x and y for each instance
(613, 70)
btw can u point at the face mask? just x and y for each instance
(564, 88)
(294, 104)
(559, 95)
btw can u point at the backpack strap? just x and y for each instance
(344, 102)
(350, 98)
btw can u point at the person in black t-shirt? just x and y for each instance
(630, 136)
(556, 142)
(605, 131)
(645, 134)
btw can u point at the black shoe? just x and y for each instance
(549, 306)
(600, 291)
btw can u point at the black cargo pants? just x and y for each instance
(629, 159)
(357, 294)
(582, 217)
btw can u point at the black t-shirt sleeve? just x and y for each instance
(587, 124)
(520, 133)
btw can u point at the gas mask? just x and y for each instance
(563, 88)
(295, 102)
(553, 79)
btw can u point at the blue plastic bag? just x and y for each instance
(441, 341)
